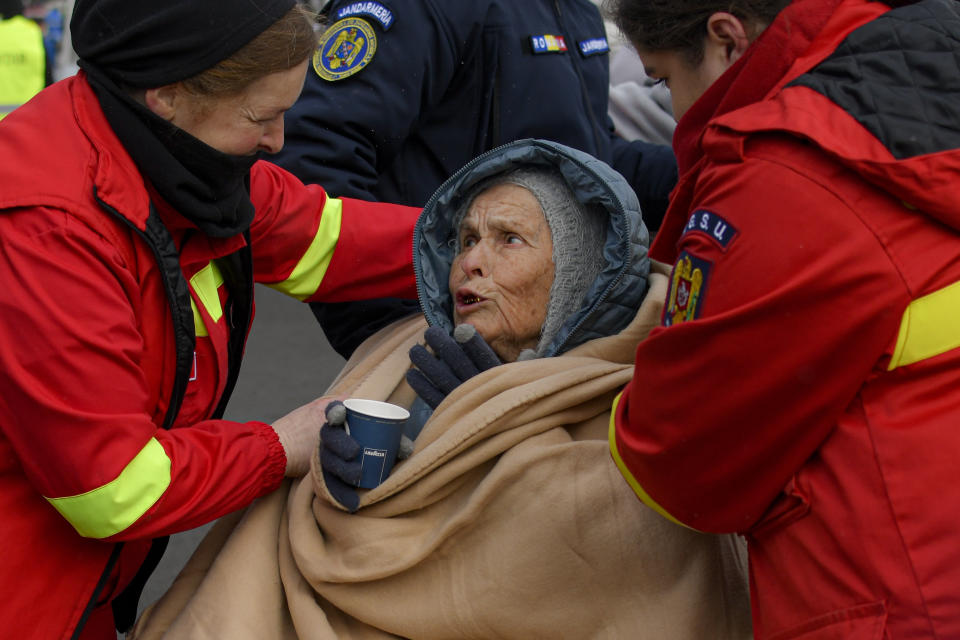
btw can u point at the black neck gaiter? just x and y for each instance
(206, 186)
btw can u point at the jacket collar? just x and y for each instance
(120, 185)
(115, 176)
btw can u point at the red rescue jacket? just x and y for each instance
(804, 388)
(92, 310)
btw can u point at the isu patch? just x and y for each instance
(688, 285)
(711, 225)
(345, 48)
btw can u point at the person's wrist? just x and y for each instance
(293, 462)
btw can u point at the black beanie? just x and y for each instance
(146, 44)
(11, 8)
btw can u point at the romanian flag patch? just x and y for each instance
(548, 44)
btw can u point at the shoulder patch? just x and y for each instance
(593, 47)
(345, 48)
(374, 10)
(688, 286)
(711, 225)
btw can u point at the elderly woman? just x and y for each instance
(509, 519)
(134, 219)
(508, 249)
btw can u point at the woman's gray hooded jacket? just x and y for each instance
(615, 295)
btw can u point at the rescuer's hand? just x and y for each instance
(298, 432)
(453, 361)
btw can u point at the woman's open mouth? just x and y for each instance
(467, 299)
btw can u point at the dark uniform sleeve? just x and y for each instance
(344, 134)
(651, 169)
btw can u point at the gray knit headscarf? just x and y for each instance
(578, 232)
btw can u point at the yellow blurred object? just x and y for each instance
(22, 62)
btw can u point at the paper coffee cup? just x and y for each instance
(377, 426)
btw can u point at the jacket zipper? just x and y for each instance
(182, 325)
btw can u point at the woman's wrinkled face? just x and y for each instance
(246, 123)
(501, 277)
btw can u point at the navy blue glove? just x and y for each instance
(453, 361)
(339, 457)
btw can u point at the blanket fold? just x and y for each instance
(509, 520)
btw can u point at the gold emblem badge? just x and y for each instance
(345, 48)
(687, 286)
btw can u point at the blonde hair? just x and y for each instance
(282, 46)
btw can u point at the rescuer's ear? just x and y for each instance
(163, 100)
(727, 35)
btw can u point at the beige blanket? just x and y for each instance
(509, 521)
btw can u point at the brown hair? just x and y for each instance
(283, 45)
(681, 25)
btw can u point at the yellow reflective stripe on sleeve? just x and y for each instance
(930, 326)
(206, 284)
(199, 327)
(308, 274)
(110, 509)
(644, 497)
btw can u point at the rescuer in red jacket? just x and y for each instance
(134, 219)
(804, 387)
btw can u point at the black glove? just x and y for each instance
(453, 361)
(339, 457)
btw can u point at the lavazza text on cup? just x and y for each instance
(377, 426)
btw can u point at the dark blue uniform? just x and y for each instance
(427, 85)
